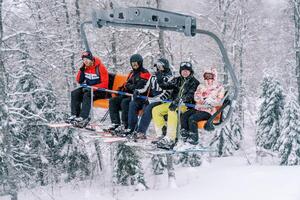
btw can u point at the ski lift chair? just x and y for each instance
(217, 118)
(115, 81)
(150, 18)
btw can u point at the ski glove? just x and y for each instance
(82, 68)
(173, 106)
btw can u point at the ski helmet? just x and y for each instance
(186, 66)
(87, 54)
(137, 58)
(163, 62)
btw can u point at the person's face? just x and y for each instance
(135, 65)
(185, 73)
(87, 62)
(160, 68)
(209, 81)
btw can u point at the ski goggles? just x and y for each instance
(159, 65)
(208, 76)
(186, 65)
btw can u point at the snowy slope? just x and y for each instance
(225, 178)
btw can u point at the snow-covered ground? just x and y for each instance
(223, 179)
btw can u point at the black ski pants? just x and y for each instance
(116, 104)
(190, 118)
(81, 101)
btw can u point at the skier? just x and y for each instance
(183, 88)
(92, 73)
(207, 97)
(137, 79)
(152, 89)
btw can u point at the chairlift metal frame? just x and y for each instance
(151, 18)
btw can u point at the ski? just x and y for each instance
(104, 136)
(59, 125)
(159, 151)
(145, 144)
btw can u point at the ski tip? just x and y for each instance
(58, 125)
(113, 140)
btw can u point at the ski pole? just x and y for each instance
(130, 95)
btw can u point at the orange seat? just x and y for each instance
(202, 123)
(117, 81)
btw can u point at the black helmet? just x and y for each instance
(187, 66)
(137, 58)
(163, 62)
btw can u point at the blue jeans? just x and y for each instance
(134, 107)
(146, 117)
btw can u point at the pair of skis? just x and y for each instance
(145, 144)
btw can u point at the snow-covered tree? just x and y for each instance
(159, 164)
(228, 138)
(270, 113)
(189, 159)
(128, 169)
(288, 143)
(295, 5)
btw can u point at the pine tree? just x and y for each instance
(270, 113)
(159, 164)
(288, 143)
(228, 138)
(128, 167)
(189, 159)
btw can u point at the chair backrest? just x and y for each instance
(118, 81)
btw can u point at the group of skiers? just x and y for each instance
(158, 95)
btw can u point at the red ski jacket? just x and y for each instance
(95, 75)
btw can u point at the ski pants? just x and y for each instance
(158, 113)
(134, 107)
(81, 101)
(117, 104)
(146, 118)
(190, 118)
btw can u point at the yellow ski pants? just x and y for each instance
(158, 113)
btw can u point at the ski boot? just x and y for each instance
(70, 119)
(190, 142)
(118, 131)
(81, 122)
(193, 138)
(164, 133)
(184, 135)
(166, 143)
(111, 128)
(135, 136)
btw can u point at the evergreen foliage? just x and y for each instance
(127, 167)
(288, 143)
(159, 164)
(270, 113)
(228, 138)
(188, 159)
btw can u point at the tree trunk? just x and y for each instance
(4, 128)
(171, 172)
(72, 61)
(298, 73)
(99, 154)
(297, 43)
